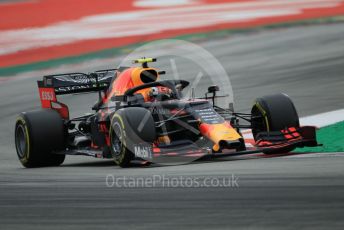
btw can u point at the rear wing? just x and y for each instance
(72, 83)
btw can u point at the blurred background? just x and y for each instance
(36, 31)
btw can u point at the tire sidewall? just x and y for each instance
(276, 116)
(45, 133)
(117, 120)
(24, 159)
(272, 119)
(128, 120)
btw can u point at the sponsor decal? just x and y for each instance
(208, 116)
(47, 95)
(78, 87)
(143, 151)
(82, 78)
(71, 88)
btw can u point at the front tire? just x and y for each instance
(121, 154)
(128, 130)
(37, 135)
(273, 113)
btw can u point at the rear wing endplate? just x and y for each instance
(72, 83)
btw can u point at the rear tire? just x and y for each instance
(276, 113)
(37, 135)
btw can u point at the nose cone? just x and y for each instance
(233, 144)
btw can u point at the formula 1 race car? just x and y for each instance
(141, 118)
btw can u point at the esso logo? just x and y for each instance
(49, 96)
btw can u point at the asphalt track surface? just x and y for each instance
(289, 192)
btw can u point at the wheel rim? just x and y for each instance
(21, 141)
(116, 139)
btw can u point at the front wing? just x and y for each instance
(268, 142)
(187, 151)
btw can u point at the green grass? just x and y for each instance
(332, 138)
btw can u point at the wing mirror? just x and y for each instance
(212, 90)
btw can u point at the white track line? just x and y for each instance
(323, 119)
